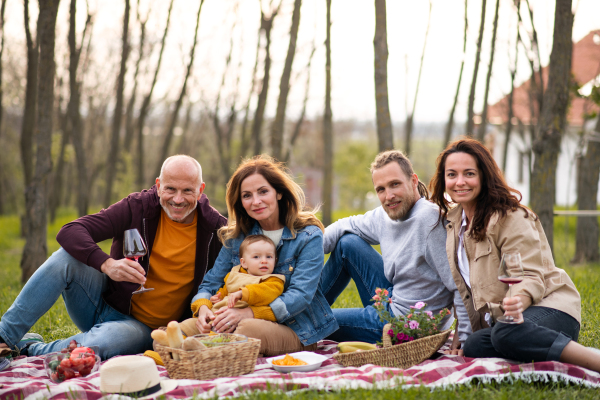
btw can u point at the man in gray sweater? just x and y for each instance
(413, 265)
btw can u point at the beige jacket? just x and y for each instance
(544, 283)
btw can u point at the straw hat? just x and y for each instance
(135, 376)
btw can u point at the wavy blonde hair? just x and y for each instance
(292, 212)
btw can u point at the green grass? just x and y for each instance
(57, 324)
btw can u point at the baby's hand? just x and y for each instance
(233, 298)
(216, 298)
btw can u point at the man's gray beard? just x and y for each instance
(182, 218)
(406, 205)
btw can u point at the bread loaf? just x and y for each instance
(192, 343)
(175, 337)
(160, 336)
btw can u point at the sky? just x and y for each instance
(353, 27)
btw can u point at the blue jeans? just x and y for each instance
(542, 337)
(353, 258)
(81, 287)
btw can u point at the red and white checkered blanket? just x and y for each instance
(26, 379)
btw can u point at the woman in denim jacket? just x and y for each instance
(262, 198)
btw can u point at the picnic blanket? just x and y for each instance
(26, 379)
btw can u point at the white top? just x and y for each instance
(275, 236)
(463, 261)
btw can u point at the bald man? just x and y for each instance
(179, 228)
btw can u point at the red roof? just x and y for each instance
(586, 67)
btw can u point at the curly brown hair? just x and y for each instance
(495, 195)
(292, 211)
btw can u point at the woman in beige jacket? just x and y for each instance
(486, 222)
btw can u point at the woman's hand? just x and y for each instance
(227, 319)
(514, 307)
(205, 318)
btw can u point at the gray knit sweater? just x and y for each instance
(414, 258)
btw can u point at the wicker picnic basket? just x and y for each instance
(214, 362)
(403, 355)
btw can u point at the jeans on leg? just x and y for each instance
(81, 287)
(542, 337)
(353, 258)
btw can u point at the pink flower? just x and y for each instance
(385, 292)
(413, 324)
(377, 304)
(391, 332)
(419, 305)
(406, 325)
(377, 290)
(429, 313)
(410, 339)
(376, 297)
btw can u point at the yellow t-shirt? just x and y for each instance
(171, 273)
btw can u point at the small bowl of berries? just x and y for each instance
(74, 362)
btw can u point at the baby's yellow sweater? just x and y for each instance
(258, 296)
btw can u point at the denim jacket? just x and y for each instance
(302, 306)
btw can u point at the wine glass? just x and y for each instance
(134, 248)
(510, 272)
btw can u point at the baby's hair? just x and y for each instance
(253, 239)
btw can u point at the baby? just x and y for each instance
(252, 283)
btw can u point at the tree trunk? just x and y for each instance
(113, 154)
(35, 249)
(328, 128)
(470, 112)
(511, 97)
(586, 239)
(553, 119)
(2, 9)
(129, 126)
(222, 138)
(29, 113)
(385, 133)
(2, 190)
(146, 105)
(410, 117)
(284, 86)
(300, 121)
(244, 139)
(55, 189)
(450, 124)
(266, 24)
(175, 115)
(74, 114)
(488, 78)
(536, 83)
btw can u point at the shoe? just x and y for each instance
(23, 344)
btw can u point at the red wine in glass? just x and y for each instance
(510, 272)
(511, 281)
(134, 248)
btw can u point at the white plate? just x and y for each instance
(313, 361)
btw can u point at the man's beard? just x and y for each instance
(406, 204)
(166, 209)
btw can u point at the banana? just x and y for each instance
(349, 347)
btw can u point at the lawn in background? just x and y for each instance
(56, 324)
